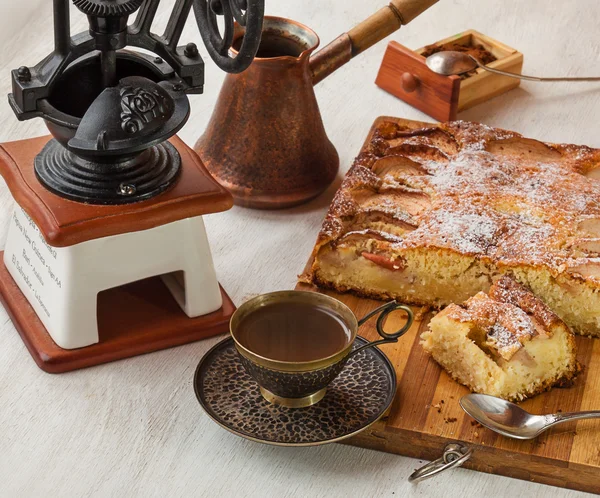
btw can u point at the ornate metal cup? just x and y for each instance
(301, 384)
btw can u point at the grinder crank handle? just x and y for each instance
(372, 30)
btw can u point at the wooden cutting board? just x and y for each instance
(426, 415)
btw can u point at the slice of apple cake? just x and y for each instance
(432, 214)
(506, 344)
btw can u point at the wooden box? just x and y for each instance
(403, 73)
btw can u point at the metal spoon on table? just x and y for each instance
(455, 63)
(510, 420)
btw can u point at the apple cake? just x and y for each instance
(431, 214)
(506, 343)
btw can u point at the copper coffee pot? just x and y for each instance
(265, 141)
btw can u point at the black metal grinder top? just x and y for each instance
(111, 110)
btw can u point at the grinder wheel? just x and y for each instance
(247, 13)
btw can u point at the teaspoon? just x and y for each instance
(510, 420)
(455, 63)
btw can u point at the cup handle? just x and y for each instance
(383, 312)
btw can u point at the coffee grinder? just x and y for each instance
(107, 256)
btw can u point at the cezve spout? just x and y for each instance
(372, 30)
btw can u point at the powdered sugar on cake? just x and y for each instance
(491, 193)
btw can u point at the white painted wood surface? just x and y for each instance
(134, 428)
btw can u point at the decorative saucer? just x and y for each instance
(357, 398)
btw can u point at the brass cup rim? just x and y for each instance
(331, 303)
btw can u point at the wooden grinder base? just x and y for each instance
(134, 319)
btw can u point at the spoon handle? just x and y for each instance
(559, 418)
(535, 78)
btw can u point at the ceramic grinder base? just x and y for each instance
(134, 319)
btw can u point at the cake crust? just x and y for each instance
(479, 201)
(507, 344)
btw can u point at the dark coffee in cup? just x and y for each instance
(293, 331)
(295, 343)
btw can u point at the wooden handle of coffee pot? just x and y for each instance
(409, 9)
(372, 30)
(384, 22)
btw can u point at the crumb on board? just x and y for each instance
(450, 420)
(421, 312)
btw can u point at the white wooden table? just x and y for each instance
(134, 428)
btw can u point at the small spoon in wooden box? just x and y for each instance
(450, 63)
